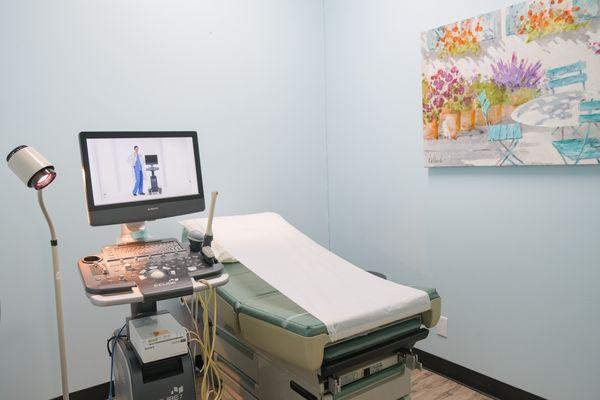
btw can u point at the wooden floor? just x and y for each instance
(429, 386)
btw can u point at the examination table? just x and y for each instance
(269, 348)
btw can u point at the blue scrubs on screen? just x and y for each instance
(138, 187)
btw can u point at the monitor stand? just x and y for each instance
(133, 232)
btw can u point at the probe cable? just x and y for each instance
(211, 387)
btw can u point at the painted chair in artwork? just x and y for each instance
(567, 75)
(506, 135)
(588, 147)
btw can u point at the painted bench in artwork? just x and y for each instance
(567, 75)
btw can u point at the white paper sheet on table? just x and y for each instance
(347, 299)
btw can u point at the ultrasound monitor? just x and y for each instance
(118, 183)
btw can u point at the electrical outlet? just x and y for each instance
(442, 327)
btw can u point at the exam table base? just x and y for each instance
(249, 374)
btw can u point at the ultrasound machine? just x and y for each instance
(150, 354)
(152, 161)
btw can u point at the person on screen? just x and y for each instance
(135, 160)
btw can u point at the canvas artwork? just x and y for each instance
(517, 86)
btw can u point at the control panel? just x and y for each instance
(157, 270)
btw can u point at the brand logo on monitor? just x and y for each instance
(153, 208)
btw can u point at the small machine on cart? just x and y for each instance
(150, 354)
(152, 163)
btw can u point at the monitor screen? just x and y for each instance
(153, 159)
(127, 169)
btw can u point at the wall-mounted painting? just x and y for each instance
(517, 86)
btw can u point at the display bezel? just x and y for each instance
(140, 209)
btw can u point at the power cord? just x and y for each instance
(111, 352)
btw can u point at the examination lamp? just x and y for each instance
(31, 167)
(36, 172)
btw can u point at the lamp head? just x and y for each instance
(31, 167)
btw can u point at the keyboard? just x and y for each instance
(160, 269)
(143, 249)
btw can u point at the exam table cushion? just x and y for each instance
(304, 271)
(254, 310)
(248, 294)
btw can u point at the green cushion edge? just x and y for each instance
(374, 338)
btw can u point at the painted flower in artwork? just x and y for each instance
(519, 79)
(546, 17)
(447, 89)
(516, 74)
(430, 111)
(460, 39)
(595, 47)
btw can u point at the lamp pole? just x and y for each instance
(57, 297)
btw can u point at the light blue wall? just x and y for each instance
(247, 75)
(513, 252)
